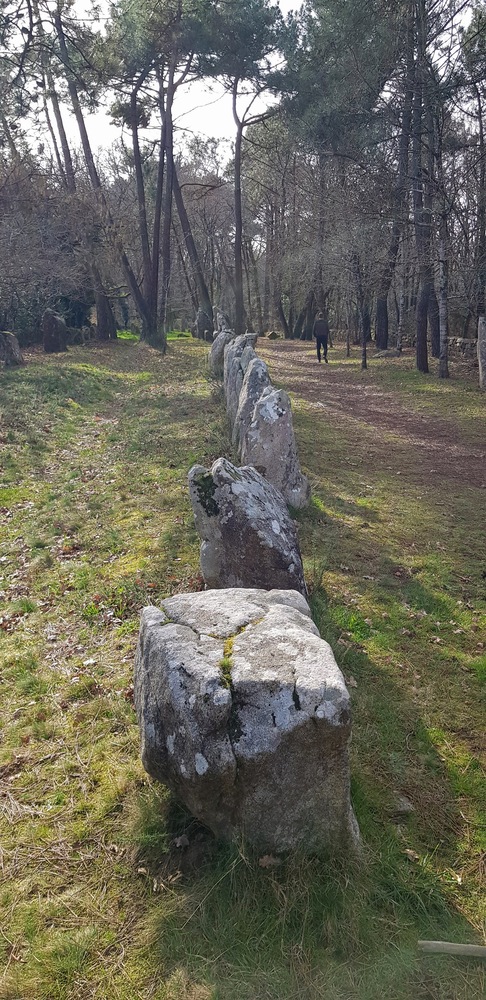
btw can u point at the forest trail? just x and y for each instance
(385, 400)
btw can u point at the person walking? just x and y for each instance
(320, 331)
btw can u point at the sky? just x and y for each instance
(198, 110)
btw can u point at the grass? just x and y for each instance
(108, 890)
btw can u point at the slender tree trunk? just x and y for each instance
(239, 303)
(400, 195)
(268, 266)
(194, 299)
(203, 293)
(421, 223)
(442, 266)
(54, 141)
(282, 318)
(167, 202)
(140, 187)
(481, 242)
(256, 287)
(364, 316)
(91, 167)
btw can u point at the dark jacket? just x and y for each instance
(320, 328)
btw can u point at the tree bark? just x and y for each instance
(239, 303)
(381, 329)
(421, 222)
(203, 293)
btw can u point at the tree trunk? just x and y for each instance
(203, 293)
(268, 266)
(421, 221)
(256, 286)
(105, 321)
(239, 303)
(481, 242)
(91, 168)
(165, 247)
(434, 323)
(381, 329)
(282, 317)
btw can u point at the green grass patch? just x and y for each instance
(108, 889)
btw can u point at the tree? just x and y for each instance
(244, 34)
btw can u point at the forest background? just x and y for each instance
(356, 180)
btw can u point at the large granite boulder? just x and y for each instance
(269, 445)
(244, 714)
(10, 353)
(255, 380)
(216, 354)
(247, 536)
(482, 351)
(237, 356)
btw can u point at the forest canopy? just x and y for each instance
(356, 183)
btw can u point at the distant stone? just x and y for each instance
(10, 353)
(54, 332)
(269, 445)
(247, 536)
(244, 714)
(255, 380)
(482, 351)
(237, 356)
(272, 335)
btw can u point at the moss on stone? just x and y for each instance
(205, 489)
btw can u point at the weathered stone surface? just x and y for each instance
(247, 536)
(482, 351)
(255, 380)
(216, 354)
(10, 353)
(237, 357)
(244, 714)
(269, 445)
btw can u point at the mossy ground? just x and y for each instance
(96, 900)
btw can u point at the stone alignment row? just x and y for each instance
(260, 416)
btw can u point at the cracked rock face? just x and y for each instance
(256, 749)
(269, 445)
(216, 354)
(237, 356)
(247, 536)
(255, 380)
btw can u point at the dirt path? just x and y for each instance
(341, 390)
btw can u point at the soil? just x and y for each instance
(439, 446)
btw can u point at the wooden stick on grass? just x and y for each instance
(448, 948)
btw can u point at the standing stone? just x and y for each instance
(255, 380)
(54, 332)
(247, 536)
(482, 351)
(10, 353)
(237, 357)
(269, 445)
(216, 354)
(244, 714)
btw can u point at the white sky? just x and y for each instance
(197, 109)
